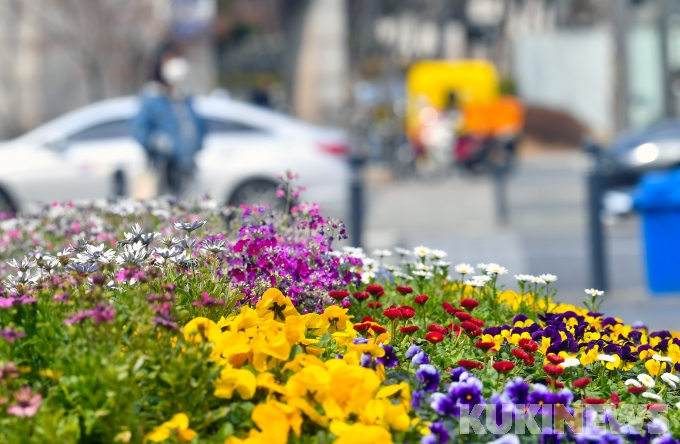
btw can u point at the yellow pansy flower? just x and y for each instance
(335, 318)
(359, 434)
(590, 356)
(401, 392)
(201, 328)
(274, 305)
(241, 380)
(178, 426)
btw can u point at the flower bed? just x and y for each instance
(185, 322)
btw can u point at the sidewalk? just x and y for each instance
(546, 232)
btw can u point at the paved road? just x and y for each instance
(546, 232)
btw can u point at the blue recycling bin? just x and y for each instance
(657, 198)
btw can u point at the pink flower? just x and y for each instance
(27, 403)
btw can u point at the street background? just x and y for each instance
(581, 67)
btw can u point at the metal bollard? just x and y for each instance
(596, 236)
(356, 196)
(500, 175)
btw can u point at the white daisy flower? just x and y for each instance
(402, 251)
(548, 278)
(593, 292)
(646, 380)
(421, 251)
(495, 269)
(671, 380)
(660, 358)
(652, 396)
(632, 382)
(524, 277)
(464, 269)
(438, 254)
(382, 253)
(570, 362)
(606, 358)
(537, 280)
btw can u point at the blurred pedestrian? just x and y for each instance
(167, 125)
(261, 95)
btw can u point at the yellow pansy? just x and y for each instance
(201, 328)
(335, 318)
(274, 305)
(359, 434)
(301, 361)
(400, 392)
(654, 367)
(497, 339)
(614, 365)
(311, 381)
(241, 380)
(178, 427)
(267, 381)
(590, 356)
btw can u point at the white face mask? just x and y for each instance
(175, 70)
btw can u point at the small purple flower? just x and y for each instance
(438, 434)
(665, 439)
(9, 370)
(412, 351)
(6, 303)
(366, 360)
(417, 398)
(442, 404)
(27, 403)
(357, 341)
(77, 318)
(10, 335)
(207, 301)
(390, 358)
(420, 358)
(101, 314)
(467, 391)
(517, 390)
(429, 377)
(456, 373)
(163, 317)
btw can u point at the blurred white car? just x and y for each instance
(90, 154)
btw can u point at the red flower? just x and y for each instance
(581, 383)
(409, 330)
(530, 360)
(474, 333)
(372, 304)
(614, 398)
(657, 408)
(434, 337)
(378, 329)
(478, 322)
(361, 296)
(470, 365)
(503, 366)
(438, 328)
(469, 326)
(463, 316)
(519, 354)
(367, 319)
(558, 384)
(469, 304)
(364, 326)
(392, 313)
(555, 359)
(447, 306)
(554, 370)
(338, 294)
(455, 328)
(404, 289)
(420, 300)
(407, 312)
(528, 345)
(636, 390)
(375, 289)
(485, 346)
(595, 401)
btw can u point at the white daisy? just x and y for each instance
(593, 292)
(464, 269)
(652, 396)
(548, 278)
(646, 380)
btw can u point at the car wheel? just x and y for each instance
(258, 192)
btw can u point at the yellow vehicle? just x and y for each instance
(430, 85)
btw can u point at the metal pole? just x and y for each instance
(500, 175)
(596, 235)
(356, 196)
